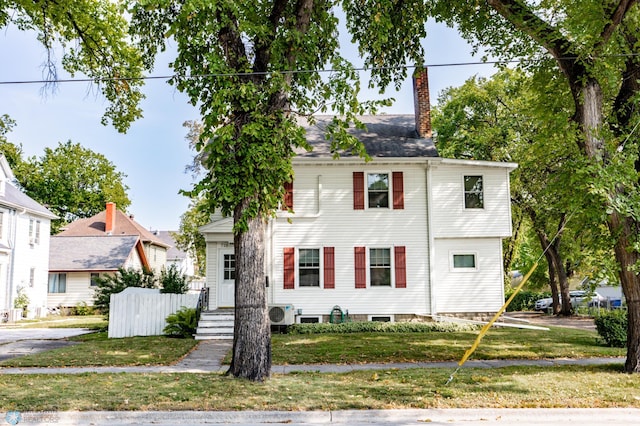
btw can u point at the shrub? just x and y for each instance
(182, 324)
(82, 309)
(172, 281)
(379, 327)
(525, 300)
(612, 327)
(112, 284)
(22, 301)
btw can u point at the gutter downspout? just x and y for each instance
(430, 239)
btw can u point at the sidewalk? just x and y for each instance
(208, 356)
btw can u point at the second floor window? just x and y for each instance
(378, 190)
(473, 192)
(34, 231)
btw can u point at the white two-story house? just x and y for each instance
(406, 235)
(24, 247)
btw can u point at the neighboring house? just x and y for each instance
(181, 259)
(24, 246)
(76, 262)
(112, 221)
(404, 236)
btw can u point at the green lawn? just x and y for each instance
(514, 387)
(561, 386)
(97, 350)
(501, 343)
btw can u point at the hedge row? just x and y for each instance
(380, 327)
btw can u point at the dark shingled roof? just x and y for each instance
(97, 253)
(391, 136)
(173, 253)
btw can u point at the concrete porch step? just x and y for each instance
(215, 325)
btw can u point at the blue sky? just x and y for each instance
(153, 154)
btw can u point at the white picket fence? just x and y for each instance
(143, 312)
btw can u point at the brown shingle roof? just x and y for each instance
(124, 225)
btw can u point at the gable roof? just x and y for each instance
(124, 225)
(93, 253)
(17, 199)
(174, 253)
(12, 197)
(389, 136)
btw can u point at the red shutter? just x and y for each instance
(398, 190)
(329, 268)
(401, 267)
(288, 196)
(289, 268)
(358, 190)
(360, 267)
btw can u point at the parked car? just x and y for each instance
(578, 297)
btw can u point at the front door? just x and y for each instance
(226, 286)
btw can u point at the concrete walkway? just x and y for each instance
(208, 355)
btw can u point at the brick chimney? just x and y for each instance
(110, 220)
(421, 102)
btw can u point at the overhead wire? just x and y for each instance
(259, 73)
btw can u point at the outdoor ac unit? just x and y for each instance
(281, 314)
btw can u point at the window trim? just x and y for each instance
(453, 268)
(392, 266)
(59, 274)
(389, 190)
(91, 279)
(320, 268)
(464, 193)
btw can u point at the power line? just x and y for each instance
(262, 73)
(237, 74)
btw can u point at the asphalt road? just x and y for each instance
(24, 341)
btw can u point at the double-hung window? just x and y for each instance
(378, 190)
(380, 267)
(34, 231)
(473, 192)
(57, 283)
(309, 267)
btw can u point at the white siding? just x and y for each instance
(78, 290)
(324, 217)
(450, 218)
(481, 290)
(28, 255)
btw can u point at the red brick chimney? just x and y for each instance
(421, 102)
(110, 220)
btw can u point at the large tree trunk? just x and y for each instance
(623, 228)
(252, 333)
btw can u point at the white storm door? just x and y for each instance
(226, 286)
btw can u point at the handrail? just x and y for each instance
(203, 301)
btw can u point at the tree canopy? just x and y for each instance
(72, 181)
(591, 49)
(252, 68)
(93, 38)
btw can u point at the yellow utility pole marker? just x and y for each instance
(488, 325)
